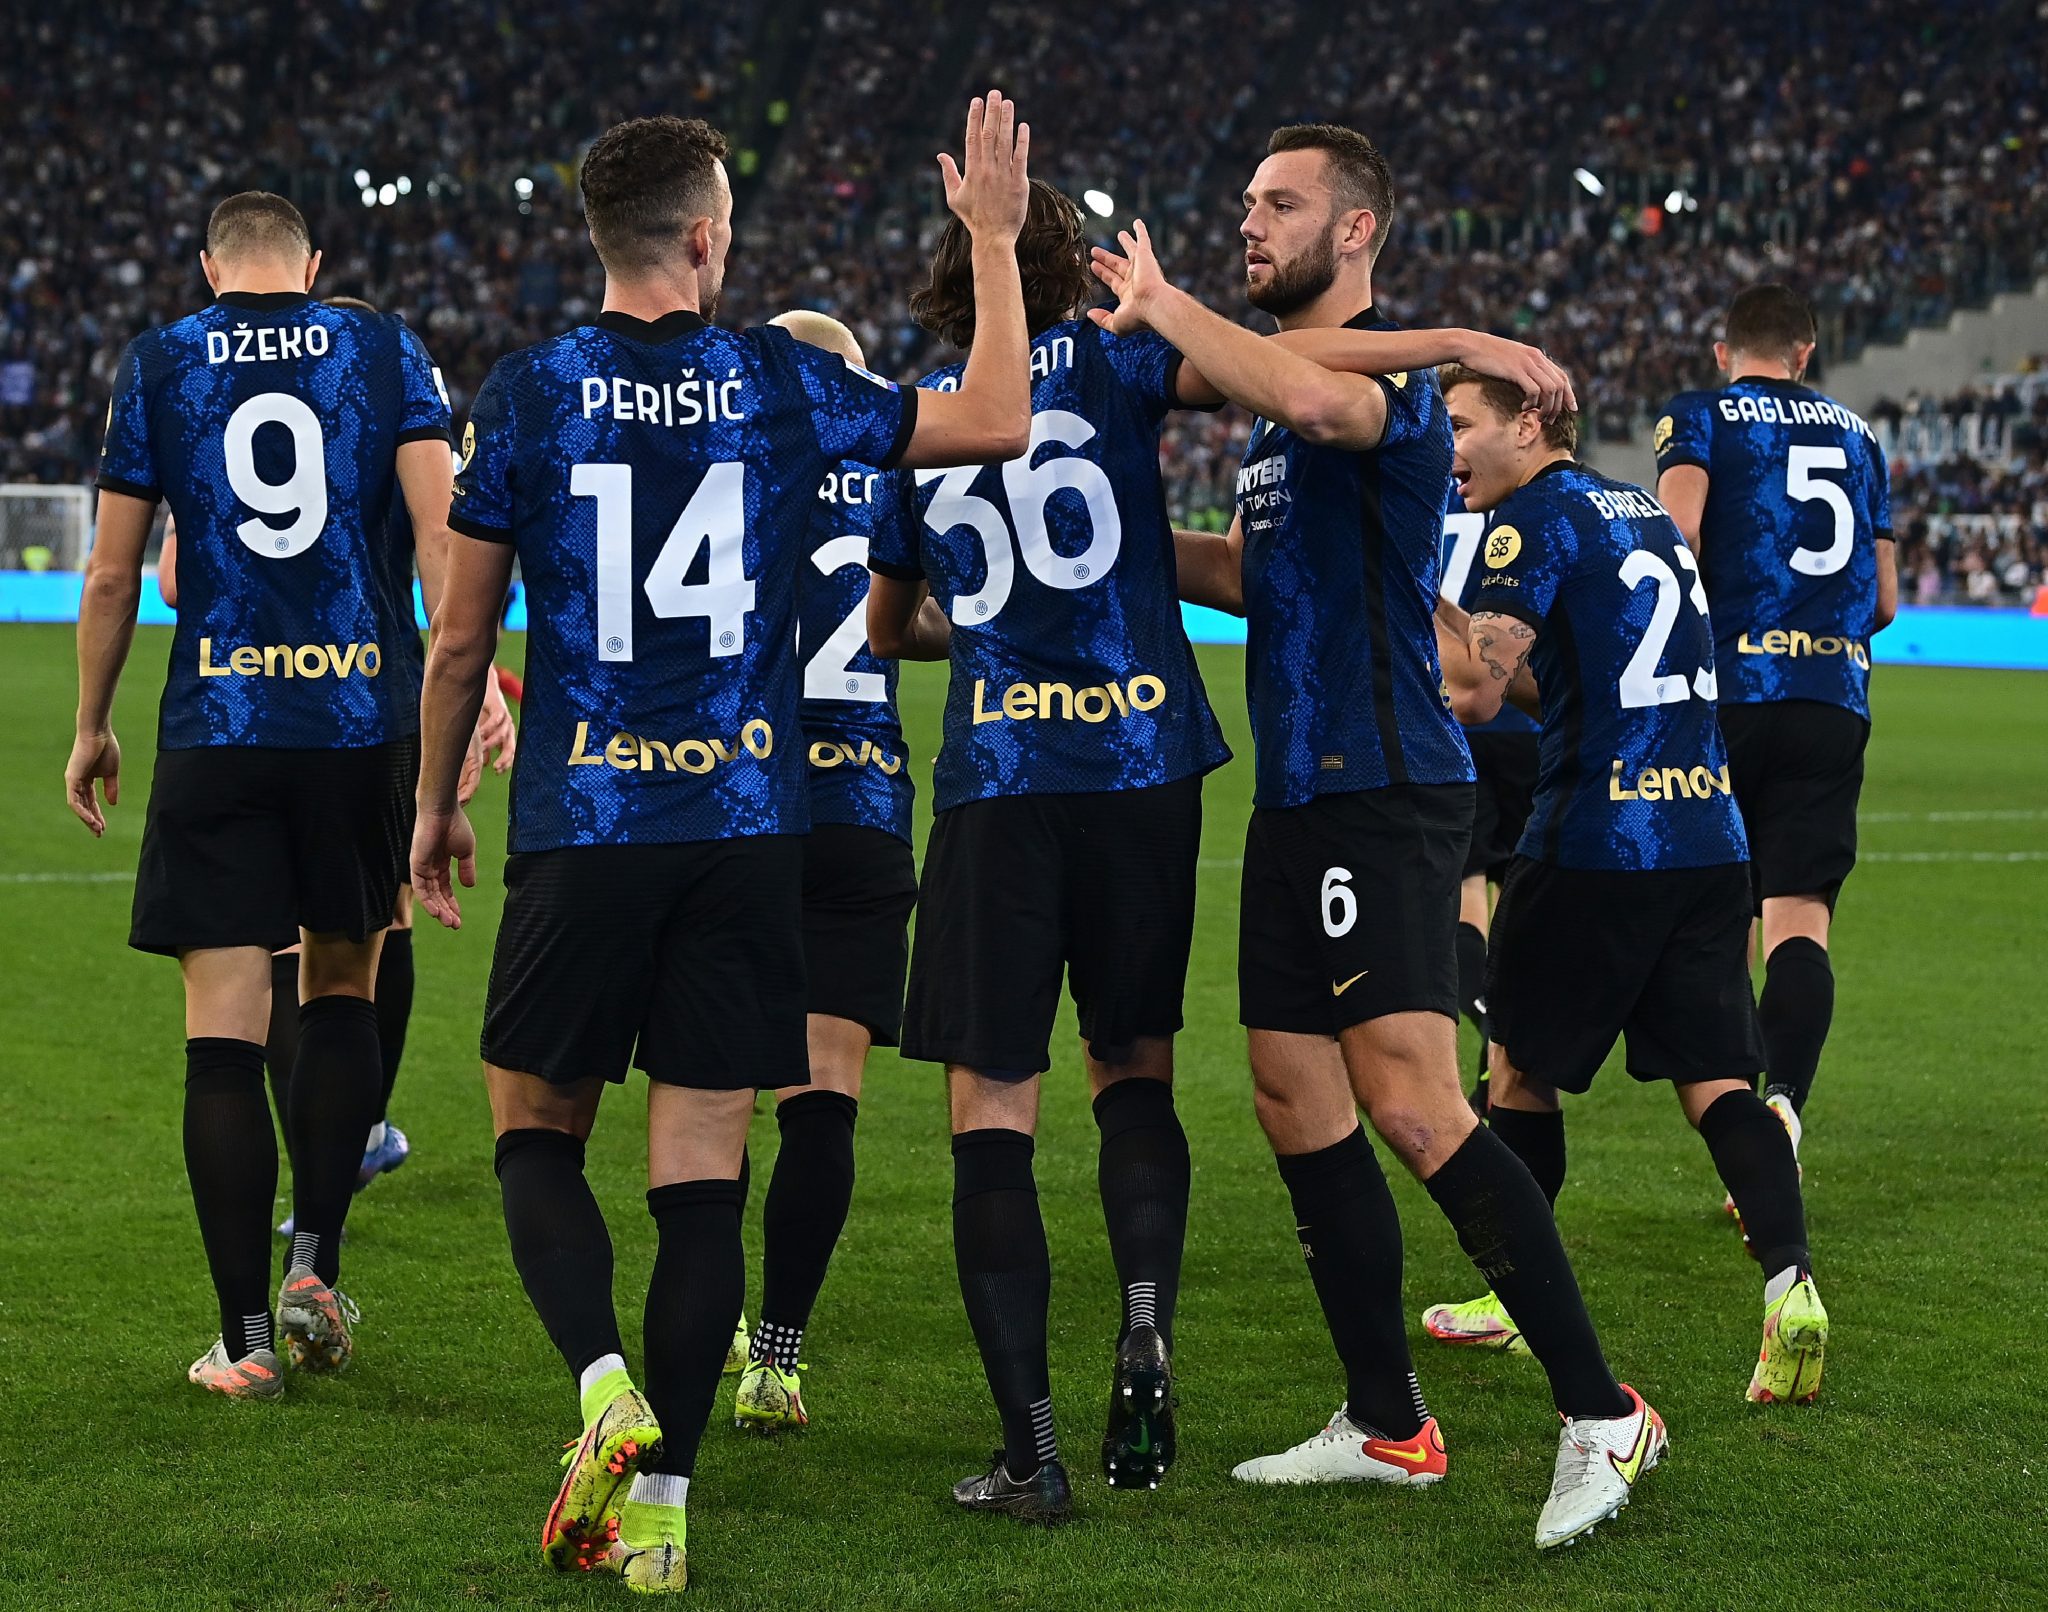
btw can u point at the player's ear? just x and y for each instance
(211, 270)
(700, 241)
(1802, 355)
(1721, 356)
(312, 271)
(1359, 224)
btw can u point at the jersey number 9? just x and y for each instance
(301, 495)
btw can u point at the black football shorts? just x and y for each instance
(1797, 767)
(859, 886)
(1350, 908)
(1578, 957)
(1020, 889)
(1506, 766)
(685, 960)
(245, 847)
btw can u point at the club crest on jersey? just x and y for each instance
(1503, 543)
(1661, 437)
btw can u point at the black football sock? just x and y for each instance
(334, 1104)
(1794, 1012)
(1506, 1229)
(1143, 1175)
(1537, 1140)
(693, 1305)
(231, 1158)
(394, 1007)
(1351, 1237)
(1472, 975)
(1006, 1281)
(281, 1046)
(1754, 1157)
(561, 1246)
(801, 1218)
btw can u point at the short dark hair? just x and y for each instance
(645, 182)
(1052, 259)
(1770, 321)
(257, 223)
(1358, 173)
(1505, 398)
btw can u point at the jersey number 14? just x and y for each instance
(715, 516)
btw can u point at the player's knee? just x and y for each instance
(334, 965)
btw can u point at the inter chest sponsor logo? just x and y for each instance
(629, 752)
(1797, 644)
(1062, 702)
(291, 660)
(825, 754)
(1659, 784)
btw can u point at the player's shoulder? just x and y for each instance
(1557, 505)
(946, 378)
(1686, 418)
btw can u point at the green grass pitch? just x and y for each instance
(419, 1480)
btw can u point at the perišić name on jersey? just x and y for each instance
(629, 752)
(292, 660)
(265, 344)
(1041, 702)
(825, 754)
(1668, 783)
(1796, 643)
(1791, 411)
(692, 400)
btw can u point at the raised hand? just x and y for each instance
(1546, 388)
(1134, 278)
(990, 198)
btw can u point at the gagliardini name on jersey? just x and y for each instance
(1669, 783)
(292, 660)
(628, 752)
(1039, 702)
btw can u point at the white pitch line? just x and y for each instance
(2024, 816)
(67, 878)
(1952, 856)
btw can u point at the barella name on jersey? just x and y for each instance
(1791, 411)
(1669, 783)
(1040, 702)
(291, 660)
(628, 752)
(265, 344)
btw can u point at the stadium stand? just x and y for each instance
(1718, 145)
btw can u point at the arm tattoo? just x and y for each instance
(1503, 643)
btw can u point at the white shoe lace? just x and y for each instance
(1573, 1471)
(347, 1306)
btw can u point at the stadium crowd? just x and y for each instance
(1889, 161)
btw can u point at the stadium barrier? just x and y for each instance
(1924, 635)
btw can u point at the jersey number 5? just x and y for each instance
(715, 515)
(1801, 483)
(1028, 491)
(1641, 683)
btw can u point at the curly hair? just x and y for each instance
(645, 182)
(1052, 258)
